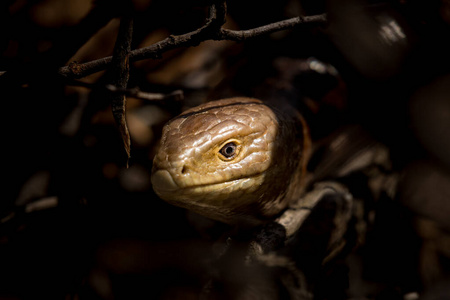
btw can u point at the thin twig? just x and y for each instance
(216, 19)
(241, 35)
(136, 93)
(212, 30)
(118, 75)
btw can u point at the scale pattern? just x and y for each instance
(256, 184)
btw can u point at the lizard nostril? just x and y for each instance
(184, 170)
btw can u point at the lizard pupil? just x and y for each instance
(229, 150)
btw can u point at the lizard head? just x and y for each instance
(230, 160)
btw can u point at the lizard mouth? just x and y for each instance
(166, 187)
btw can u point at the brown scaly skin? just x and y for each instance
(235, 160)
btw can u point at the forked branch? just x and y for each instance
(212, 30)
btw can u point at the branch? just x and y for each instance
(135, 92)
(138, 94)
(241, 35)
(119, 73)
(216, 19)
(212, 30)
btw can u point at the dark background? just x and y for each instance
(108, 236)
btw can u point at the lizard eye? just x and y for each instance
(229, 150)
